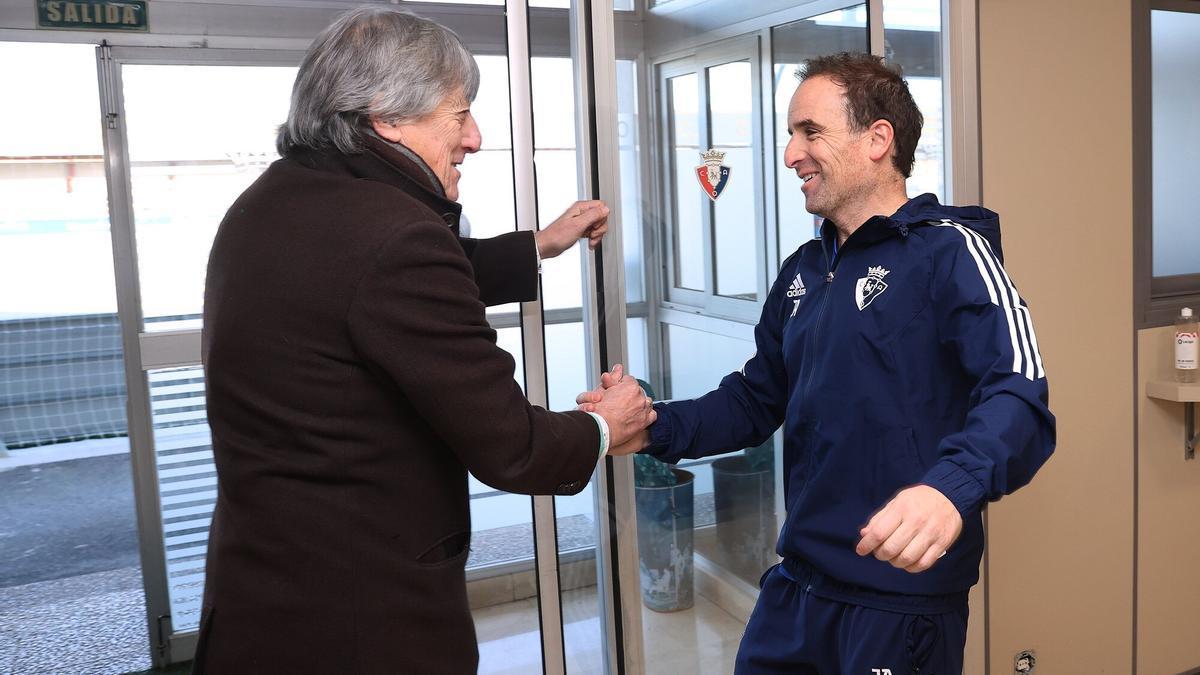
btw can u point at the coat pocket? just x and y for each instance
(446, 551)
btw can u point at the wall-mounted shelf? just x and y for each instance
(1188, 395)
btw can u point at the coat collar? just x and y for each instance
(389, 163)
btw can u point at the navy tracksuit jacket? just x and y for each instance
(904, 357)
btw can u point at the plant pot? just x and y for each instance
(744, 505)
(664, 532)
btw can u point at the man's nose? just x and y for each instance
(472, 138)
(793, 154)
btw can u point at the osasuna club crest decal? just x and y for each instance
(713, 174)
(870, 287)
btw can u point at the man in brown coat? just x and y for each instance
(353, 379)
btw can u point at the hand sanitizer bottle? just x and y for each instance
(1186, 347)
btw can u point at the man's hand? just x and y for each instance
(587, 400)
(625, 407)
(913, 530)
(582, 219)
(639, 440)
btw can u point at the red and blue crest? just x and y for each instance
(713, 174)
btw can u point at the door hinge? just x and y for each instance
(108, 87)
(163, 643)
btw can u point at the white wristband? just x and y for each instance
(604, 438)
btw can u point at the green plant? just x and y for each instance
(650, 472)
(760, 457)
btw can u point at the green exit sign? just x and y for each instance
(106, 15)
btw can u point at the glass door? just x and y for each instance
(186, 132)
(70, 582)
(724, 521)
(720, 213)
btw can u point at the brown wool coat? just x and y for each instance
(352, 381)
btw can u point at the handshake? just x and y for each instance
(625, 407)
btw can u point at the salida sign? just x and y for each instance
(105, 15)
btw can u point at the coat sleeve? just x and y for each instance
(505, 267)
(417, 320)
(743, 411)
(1009, 431)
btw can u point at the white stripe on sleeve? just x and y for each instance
(1027, 358)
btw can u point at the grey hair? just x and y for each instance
(373, 62)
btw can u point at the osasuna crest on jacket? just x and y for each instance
(870, 286)
(903, 356)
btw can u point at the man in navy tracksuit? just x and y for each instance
(904, 368)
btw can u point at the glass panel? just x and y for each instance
(557, 175)
(576, 514)
(685, 143)
(500, 572)
(1175, 51)
(696, 360)
(844, 30)
(71, 597)
(562, 282)
(486, 187)
(198, 136)
(912, 32)
(561, 4)
(187, 484)
(633, 220)
(555, 156)
(735, 226)
(702, 631)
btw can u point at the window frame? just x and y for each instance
(1157, 300)
(748, 48)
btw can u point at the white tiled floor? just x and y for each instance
(700, 640)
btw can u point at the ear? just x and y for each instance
(385, 130)
(882, 140)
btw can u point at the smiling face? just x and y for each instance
(443, 138)
(824, 150)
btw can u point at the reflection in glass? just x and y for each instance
(184, 182)
(1175, 100)
(913, 40)
(705, 637)
(685, 144)
(731, 115)
(844, 30)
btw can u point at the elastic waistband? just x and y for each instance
(825, 586)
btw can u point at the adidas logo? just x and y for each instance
(797, 288)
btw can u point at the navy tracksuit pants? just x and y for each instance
(806, 623)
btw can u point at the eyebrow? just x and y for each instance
(807, 122)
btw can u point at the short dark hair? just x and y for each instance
(874, 91)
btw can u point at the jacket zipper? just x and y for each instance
(812, 339)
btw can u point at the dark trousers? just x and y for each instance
(806, 623)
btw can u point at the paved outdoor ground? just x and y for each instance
(65, 519)
(94, 624)
(71, 599)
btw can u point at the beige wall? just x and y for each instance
(1168, 522)
(1055, 116)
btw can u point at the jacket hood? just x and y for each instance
(926, 207)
